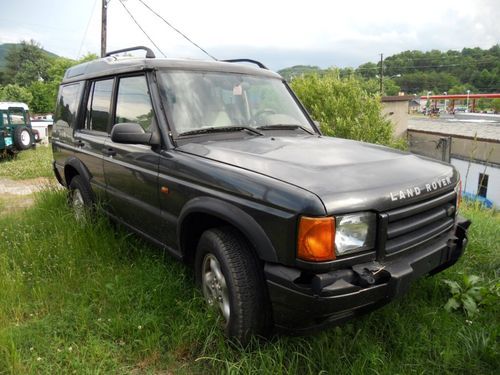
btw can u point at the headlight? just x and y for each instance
(354, 233)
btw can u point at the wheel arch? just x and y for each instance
(203, 213)
(73, 167)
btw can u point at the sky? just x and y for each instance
(278, 33)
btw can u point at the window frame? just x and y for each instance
(154, 121)
(89, 95)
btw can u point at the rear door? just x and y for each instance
(90, 139)
(132, 170)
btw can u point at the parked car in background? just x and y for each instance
(16, 133)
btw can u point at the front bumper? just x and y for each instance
(304, 301)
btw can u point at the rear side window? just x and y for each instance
(98, 106)
(68, 102)
(133, 103)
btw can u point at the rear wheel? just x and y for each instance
(80, 197)
(23, 138)
(232, 282)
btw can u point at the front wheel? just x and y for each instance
(232, 281)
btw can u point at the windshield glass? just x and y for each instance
(198, 100)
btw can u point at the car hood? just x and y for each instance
(346, 175)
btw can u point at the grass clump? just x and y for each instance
(85, 297)
(32, 163)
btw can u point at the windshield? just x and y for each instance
(198, 100)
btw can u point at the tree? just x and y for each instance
(368, 70)
(27, 63)
(15, 93)
(495, 104)
(343, 107)
(43, 97)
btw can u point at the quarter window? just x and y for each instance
(98, 105)
(133, 103)
(67, 106)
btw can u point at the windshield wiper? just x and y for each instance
(220, 129)
(285, 127)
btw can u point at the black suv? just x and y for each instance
(219, 164)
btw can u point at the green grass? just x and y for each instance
(28, 164)
(87, 298)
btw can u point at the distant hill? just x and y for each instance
(4, 51)
(474, 69)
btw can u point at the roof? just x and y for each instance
(113, 65)
(481, 130)
(461, 96)
(397, 98)
(7, 105)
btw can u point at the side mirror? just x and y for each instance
(131, 133)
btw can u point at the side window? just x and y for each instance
(133, 103)
(99, 103)
(68, 102)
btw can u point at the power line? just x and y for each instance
(177, 30)
(86, 29)
(139, 26)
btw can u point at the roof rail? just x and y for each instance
(258, 63)
(149, 53)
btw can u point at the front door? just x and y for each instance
(131, 171)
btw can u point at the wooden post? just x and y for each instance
(104, 26)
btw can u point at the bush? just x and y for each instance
(343, 108)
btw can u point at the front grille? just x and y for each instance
(413, 225)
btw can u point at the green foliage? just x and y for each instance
(467, 296)
(368, 70)
(343, 107)
(27, 63)
(476, 68)
(455, 72)
(15, 93)
(298, 71)
(495, 104)
(37, 75)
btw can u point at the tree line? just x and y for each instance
(417, 72)
(31, 75)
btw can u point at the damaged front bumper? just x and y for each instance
(304, 303)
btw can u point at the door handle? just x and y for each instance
(79, 143)
(109, 151)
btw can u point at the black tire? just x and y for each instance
(23, 138)
(246, 288)
(80, 197)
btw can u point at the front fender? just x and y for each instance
(241, 220)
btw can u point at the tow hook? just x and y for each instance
(369, 273)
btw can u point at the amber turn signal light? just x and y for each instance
(316, 241)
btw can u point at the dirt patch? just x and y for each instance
(17, 195)
(25, 187)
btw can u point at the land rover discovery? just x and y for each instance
(220, 165)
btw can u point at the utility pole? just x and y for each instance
(104, 16)
(381, 74)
